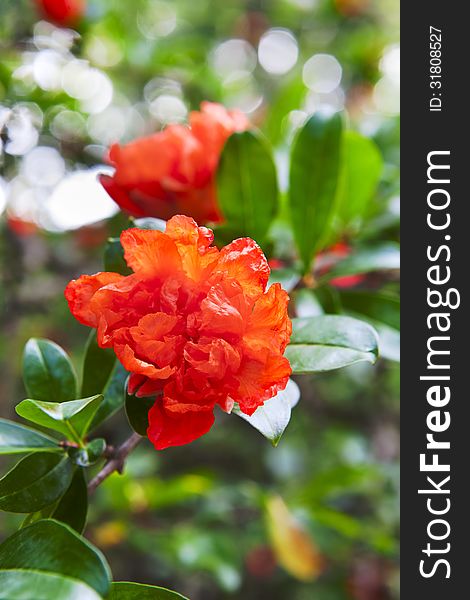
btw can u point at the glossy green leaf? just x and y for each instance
(389, 341)
(137, 412)
(71, 418)
(71, 508)
(114, 394)
(381, 307)
(97, 367)
(48, 372)
(247, 185)
(379, 257)
(52, 547)
(89, 454)
(287, 277)
(150, 223)
(307, 304)
(36, 481)
(360, 174)
(114, 257)
(289, 97)
(127, 590)
(272, 418)
(314, 175)
(17, 439)
(18, 584)
(329, 342)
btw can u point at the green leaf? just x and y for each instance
(307, 304)
(18, 584)
(17, 439)
(379, 257)
(287, 277)
(247, 185)
(127, 590)
(289, 97)
(71, 418)
(114, 394)
(47, 371)
(362, 166)
(381, 307)
(71, 509)
(150, 223)
(97, 367)
(88, 455)
(114, 257)
(314, 174)
(73, 506)
(389, 341)
(35, 482)
(330, 342)
(137, 413)
(272, 418)
(52, 547)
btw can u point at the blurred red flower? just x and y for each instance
(173, 171)
(62, 12)
(193, 325)
(328, 258)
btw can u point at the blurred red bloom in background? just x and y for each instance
(173, 171)
(328, 258)
(193, 325)
(62, 12)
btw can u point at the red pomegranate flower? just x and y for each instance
(173, 171)
(62, 12)
(193, 325)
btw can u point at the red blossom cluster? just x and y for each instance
(173, 172)
(193, 325)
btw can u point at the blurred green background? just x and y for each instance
(199, 519)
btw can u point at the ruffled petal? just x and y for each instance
(150, 253)
(80, 292)
(193, 243)
(178, 425)
(269, 325)
(244, 261)
(260, 380)
(132, 363)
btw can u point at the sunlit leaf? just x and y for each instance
(17, 439)
(114, 394)
(379, 257)
(294, 548)
(329, 342)
(360, 173)
(18, 584)
(89, 454)
(48, 372)
(36, 481)
(247, 185)
(52, 547)
(314, 175)
(272, 418)
(71, 418)
(70, 509)
(150, 223)
(127, 590)
(288, 278)
(97, 367)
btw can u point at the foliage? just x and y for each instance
(314, 512)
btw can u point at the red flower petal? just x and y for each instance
(191, 323)
(176, 428)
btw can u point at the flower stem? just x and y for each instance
(115, 462)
